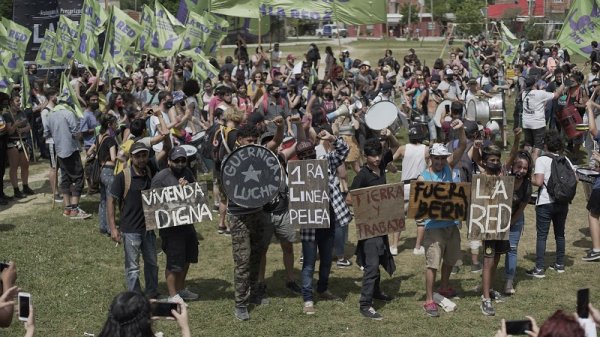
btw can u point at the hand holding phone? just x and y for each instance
(163, 309)
(583, 301)
(518, 327)
(24, 303)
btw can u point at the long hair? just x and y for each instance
(105, 121)
(561, 325)
(129, 316)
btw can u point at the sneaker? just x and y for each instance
(509, 288)
(27, 190)
(539, 273)
(258, 296)
(221, 230)
(18, 194)
(241, 313)
(328, 296)
(591, 256)
(215, 208)
(293, 287)
(455, 270)
(343, 263)
(371, 313)
(559, 268)
(476, 268)
(58, 198)
(79, 214)
(383, 297)
(394, 251)
(431, 309)
(67, 212)
(187, 295)
(486, 307)
(175, 298)
(301, 259)
(419, 251)
(309, 308)
(496, 296)
(448, 292)
(227, 232)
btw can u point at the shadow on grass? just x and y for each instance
(550, 258)
(5, 227)
(583, 243)
(211, 289)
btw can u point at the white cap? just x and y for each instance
(438, 149)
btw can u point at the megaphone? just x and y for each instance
(493, 126)
(341, 111)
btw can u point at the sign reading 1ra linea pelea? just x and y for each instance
(491, 207)
(175, 206)
(378, 210)
(309, 193)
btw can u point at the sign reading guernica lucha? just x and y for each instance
(491, 205)
(175, 206)
(309, 193)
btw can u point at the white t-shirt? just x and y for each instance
(543, 165)
(154, 122)
(534, 104)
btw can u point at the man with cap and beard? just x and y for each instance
(180, 243)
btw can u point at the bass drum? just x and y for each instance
(496, 104)
(381, 115)
(441, 110)
(478, 110)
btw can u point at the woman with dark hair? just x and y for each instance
(17, 129)
(191, 88)
(116, 108)
(256, 87)
(259, 60)
(329, 63)
(206, 97)
(438, 67)
(130, 315)
(244, 102)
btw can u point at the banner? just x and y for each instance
(439, 200)
(44, 55)
(202, 68)
(121, 33)
(205, 32)
(309, 193)
(491, 207)
(579, 28)
(166, 39)
(91, 25)
(148, 24)
(66, 37)
(509, 44)
(239, 8)
(378, 210)
(474, 69)
(68, 96)
(14, 43)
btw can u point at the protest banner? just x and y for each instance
(579, 28)
(166, 39)
(44, 55)
(148, 23)
(491, 207)
(67, 95)
(251, 176)
(439, 200)
(378, 210)
(309, 193)
(91, 25)
(66, 37)
(202, 69)
(14, 42)
(121, 33)
(175, 206)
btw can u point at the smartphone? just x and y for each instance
(518, 327)
(447, 107)
(24, 303)
(163, 309)
(583, 300)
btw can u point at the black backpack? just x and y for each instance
(562, 185)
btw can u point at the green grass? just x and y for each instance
(73, 273)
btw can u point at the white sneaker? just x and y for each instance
(175, 298)
(394, 251)
(444, 302)
(419, 251)
(187, 295)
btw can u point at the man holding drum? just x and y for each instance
(593, 205)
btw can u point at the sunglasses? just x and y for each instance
(180, 161)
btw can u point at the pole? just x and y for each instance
(487, 33)
(431, 10)
(409, 15)
(259, 31)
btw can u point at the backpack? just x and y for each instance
(127, 180)
(94, 168)
(220, 146)
(562, 185)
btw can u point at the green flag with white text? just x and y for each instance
(121, 33)
(166, 39)
(202, 68)
(14, 44)
(67, 95)
(581, 27)
(66, 37)
(44, 55)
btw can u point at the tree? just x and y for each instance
(469, 17)
(414, 14)
(6, 9)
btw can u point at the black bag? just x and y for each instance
(93, 168)
(562, 185)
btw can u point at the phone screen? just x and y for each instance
(163, 309)
(583, 300)
(23, 307)
(447, 107)
(518, 327)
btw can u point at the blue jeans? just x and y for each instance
(544, 214)
(324, 242)
(510, 263)
(144, 244)
(106, 179)
(339, 241)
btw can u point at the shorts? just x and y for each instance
(492, 248)
(441, 244)
(180, 250)
(52, 152)
(593, 204)
(282, 227)
(535, 137)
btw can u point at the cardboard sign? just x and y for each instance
(439, 200)
(491, 207)
(175, 206)
(309, 193)
(378, 210)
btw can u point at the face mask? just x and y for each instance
(168, 104)
(276, 94)
(329, 96)
(95, 106)
(422, 87)
(34, 71)
(119, 104)
(177, 169)
(493, 168)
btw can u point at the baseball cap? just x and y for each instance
(365, 63)
(305, 148)
(470, 127)
(438, 149)
(387, 86)
(138, 147)
(177, 152)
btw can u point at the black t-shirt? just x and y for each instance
(132, 213)
(166, 178)
(367, 178)
(104, 148)
(521, 195)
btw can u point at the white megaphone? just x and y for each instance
(493, 126)
(341, 111)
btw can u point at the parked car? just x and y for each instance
(331, 31)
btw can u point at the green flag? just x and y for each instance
(67, 95)
(44, 55)
(579, 29)
(202, 68)
(14, 44)
(473, 64)
(204, 31)
(91, 25)
(122, 32)
(26, 91)
(148, 24)
(166, 38)
(198, 6)
(217, 33)
(66, 36)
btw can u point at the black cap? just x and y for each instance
(138, 147)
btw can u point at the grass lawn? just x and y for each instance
(73, 273)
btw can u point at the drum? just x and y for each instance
(381, 115)
(582, 127)
(441, 110)
(569, 118)
(496, 104)
(587, 176)
(478, 110)
(251, 176)
(198, 139)
(190, 150)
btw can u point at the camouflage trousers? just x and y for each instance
(248, 245)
